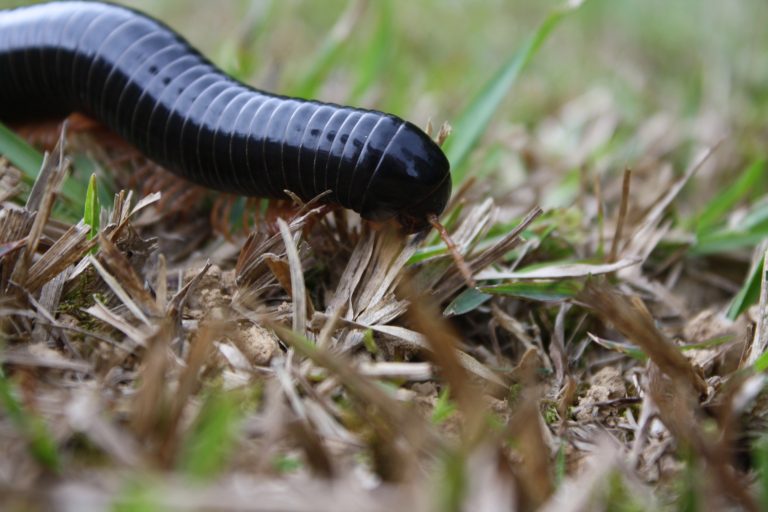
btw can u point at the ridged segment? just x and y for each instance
(145, 82)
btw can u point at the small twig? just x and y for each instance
(623, 207)
(457, 257)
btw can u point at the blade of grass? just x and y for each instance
(378, 53)
(26, 158)
(41, 445)
(474, 120)
(748, 293)
(29, 161)
(760, 454)
(212, 439)
(542, 290)
(444, 407)
(719, 206)
(468, 300)
(750, 231)
(92, 207)
(330, 51)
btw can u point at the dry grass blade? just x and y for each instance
(414, 340)
(67, 250)
(534, 474)
(150, 404)
(460, 263)
(559, 271)
(645, 238)
(759, 342)
(176, 304)
(353, 273)
(189, 382)
(631, 318)
(25, 358)
(679, 411)
(252, 272)
(452, 282)
(50, 176)
(119, 291)
(41, 199)
(372, 396)
(10, 181)
(14, 227)
(120, 267)
(407, 371)
(623, 207)
(101, 312)
(298, 291)
(444, 345)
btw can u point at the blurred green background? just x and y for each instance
(425, 59)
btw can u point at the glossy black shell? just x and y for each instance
(148, 84)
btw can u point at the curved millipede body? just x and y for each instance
(148, 84)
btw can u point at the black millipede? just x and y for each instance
(145, 82)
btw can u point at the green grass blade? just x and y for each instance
(749, 292)
(373, 61)
(29, 161)
(474, 120)
(92, 207)
(329, 55)
(728, 241)
(18, 151)
(723, 203)
(468, 300)
(761, 364)
(760, 455)
(751, 230)
(41, 445)
(537, 290)
(444, 407)
(212, 439)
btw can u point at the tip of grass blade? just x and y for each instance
(476, 117)
(92, 207)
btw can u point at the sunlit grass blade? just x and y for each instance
(41, 445)
(212, 439)
(92, 207)
(749, 292)
(751, 230)
(23, 156)
(537, 290)
(29, 161)
(468, 300)
(474, 120)
(719, 206)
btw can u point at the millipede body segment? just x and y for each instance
(145, 82)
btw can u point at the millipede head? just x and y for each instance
(413, 181)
